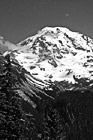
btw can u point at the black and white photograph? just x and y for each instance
(46, 70)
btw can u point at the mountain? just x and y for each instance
(7, 46)
(58, 55)
(52, 73)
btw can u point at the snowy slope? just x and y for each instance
(57, 54)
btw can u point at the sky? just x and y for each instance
(20, 19)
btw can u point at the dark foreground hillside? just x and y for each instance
(66, 116)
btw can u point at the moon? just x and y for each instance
(67, 14)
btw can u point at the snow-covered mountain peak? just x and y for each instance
(57, 54)
(56, 29)
(44, 78)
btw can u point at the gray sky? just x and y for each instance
(22, 18)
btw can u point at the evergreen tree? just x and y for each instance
(12, 118)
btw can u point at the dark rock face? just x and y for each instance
(51, 114)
